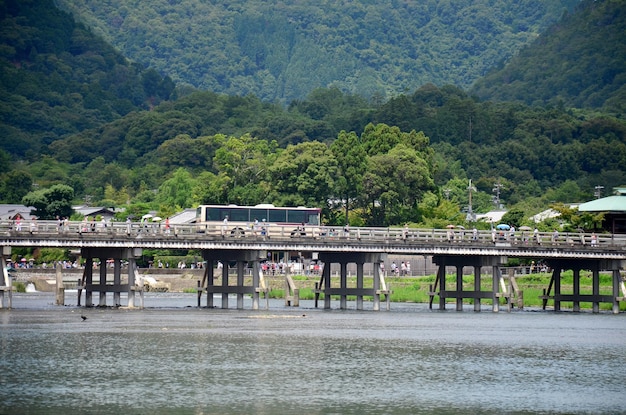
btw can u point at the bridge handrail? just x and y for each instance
(321, 233)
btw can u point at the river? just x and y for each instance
(173, 358)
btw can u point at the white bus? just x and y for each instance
(237, 220)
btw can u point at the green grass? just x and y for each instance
(19, 286)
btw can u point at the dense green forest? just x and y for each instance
(56, 78)
(280, 51)
(579, 62)
(115, 134)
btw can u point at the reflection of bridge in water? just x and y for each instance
(336, 248)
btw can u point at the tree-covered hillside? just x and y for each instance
(579, 62)
(56, 79)
(284, 50)
(76, 115)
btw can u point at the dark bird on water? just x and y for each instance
(83, 317)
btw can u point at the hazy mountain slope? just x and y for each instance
(580, 62)
(56, 78)
(283, 50)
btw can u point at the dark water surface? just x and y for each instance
(170, 358)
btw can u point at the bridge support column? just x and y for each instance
(88, 281)
(225, 291)
(617, 279)
(359, 283)
(495, 287)
(459, 287)
(476, 287)
(240, 278)
(459, 294)
(326, 277)
(343, 283)
(103, 282)
(241, 259)
(595, 289)
(556, 275)
(210, 281)
(359, 291)
(576, 289)
(103, 287)
(577, 296)
(441, 276)
(117, 280)
(256, 282)
(6, 286)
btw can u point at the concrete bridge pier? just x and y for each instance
(103, 287)
(554, 291)
(379, 285)
(241, 259)
(459, 294)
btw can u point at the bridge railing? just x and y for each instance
(457, 236)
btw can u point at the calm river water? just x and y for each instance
(172, 358)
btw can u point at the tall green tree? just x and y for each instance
(394, 183)
(50, 203)
(14, 186)
(352, 165)
(304, 174)
(177, 190)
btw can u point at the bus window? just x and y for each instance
(296, 216)
(214, 213)
(278, 216)
(313, 219)
(259, 214)
(239, 215)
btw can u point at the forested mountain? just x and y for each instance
(579, 62)
(56, 79)
(76, 114)
(280, 51)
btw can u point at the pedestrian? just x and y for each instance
(224, 226)
(167, 225)
(128, 225)
(555, 236)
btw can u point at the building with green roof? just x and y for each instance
(614, 208)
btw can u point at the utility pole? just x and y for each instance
(470, 213)
(496, 197)
(598, 192)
